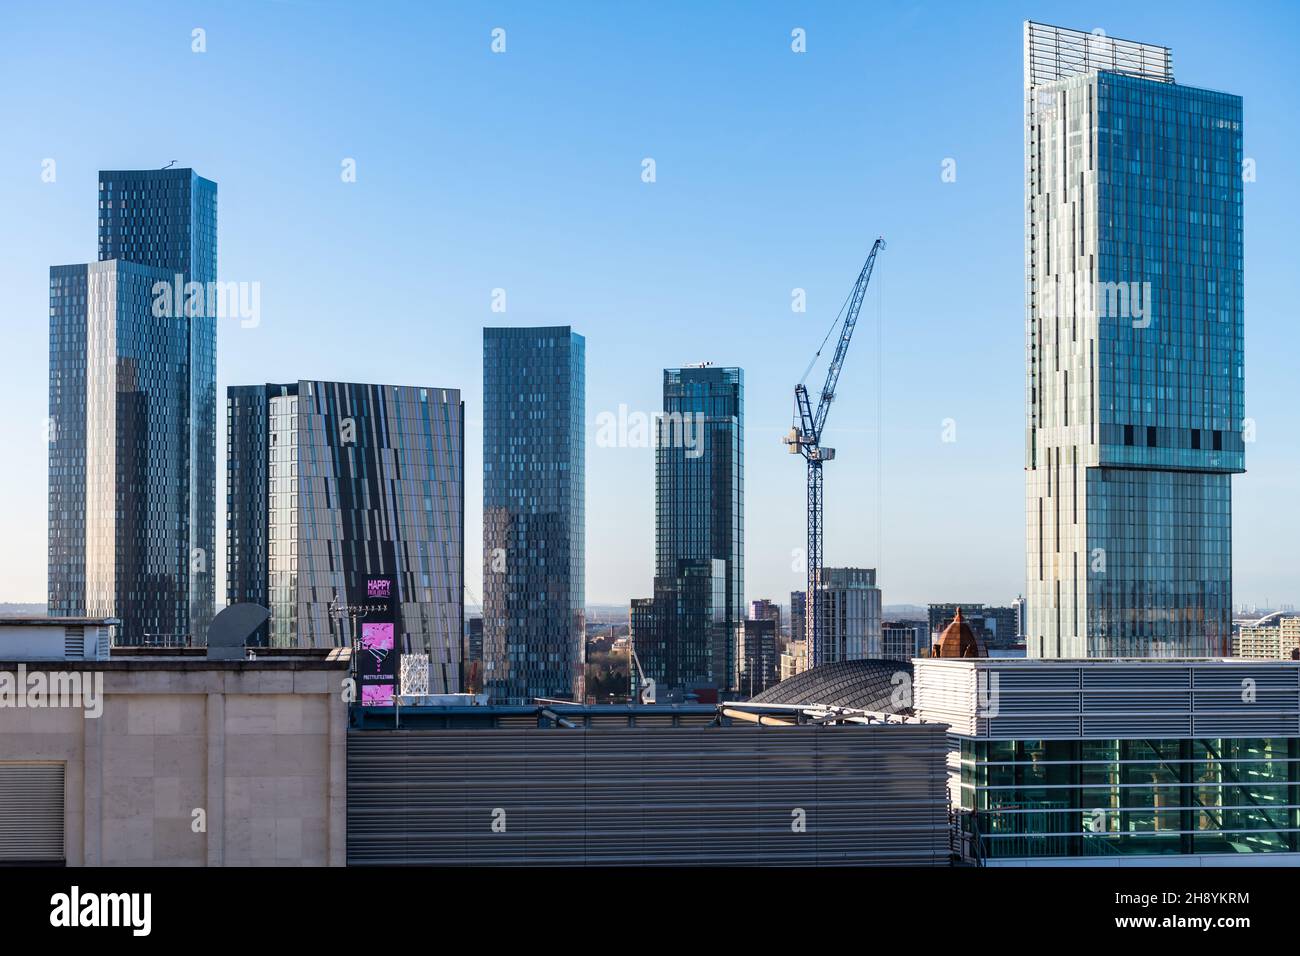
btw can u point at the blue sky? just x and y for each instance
(522, 171)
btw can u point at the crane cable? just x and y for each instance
(818, 354)
(829, 333)
(474, 597)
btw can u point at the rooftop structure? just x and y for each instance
(108, 759)
(958, 640)
(867, 684)
(1120, 761)
(56, 638)
(565, 784)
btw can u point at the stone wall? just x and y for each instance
(258, 747)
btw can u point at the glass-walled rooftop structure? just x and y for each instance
(1112, 797)
(1069, 759)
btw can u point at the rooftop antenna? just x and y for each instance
(170, 165)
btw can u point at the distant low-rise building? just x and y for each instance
(759, 664)
(764, 609)
(474, 640)
(1276, 640)
(794, 659)
(903, 640)
(798, 601)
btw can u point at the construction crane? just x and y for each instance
(805, 439)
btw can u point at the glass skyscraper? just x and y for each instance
(1134, 388)
(534, 532)
(330, 484)
(689, 641)
(133, 414)
(681, 636)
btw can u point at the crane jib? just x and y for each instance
(806, 439)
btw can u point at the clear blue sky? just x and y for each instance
(522, 171)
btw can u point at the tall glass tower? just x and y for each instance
(534, 532)
(687, 639)
(1134, 348)
(133, 414)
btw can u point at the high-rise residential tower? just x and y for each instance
(763, 609)
(798, 621)
(534, 534)
(758, 659)
(852, 605)
(330, 485)
(700, 475)
(133, 414)
(1134, 387)
(699, 581)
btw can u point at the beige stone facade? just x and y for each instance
(259, 747)
(794, 659)
(1268, 642)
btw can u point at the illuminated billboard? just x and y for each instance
(377, 662)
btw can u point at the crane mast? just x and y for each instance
(805, 439)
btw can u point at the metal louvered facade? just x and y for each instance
(31, 812)
(645, 792)
(1120, 762)
(1005, 698)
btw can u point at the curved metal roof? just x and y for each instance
(867, 685)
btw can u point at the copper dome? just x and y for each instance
(958, 640)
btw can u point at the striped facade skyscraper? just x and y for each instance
(1134, 345)
(331, 484)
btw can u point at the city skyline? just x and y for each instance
(668, 290)
(433, 499)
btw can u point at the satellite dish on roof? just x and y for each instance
(231, 629)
